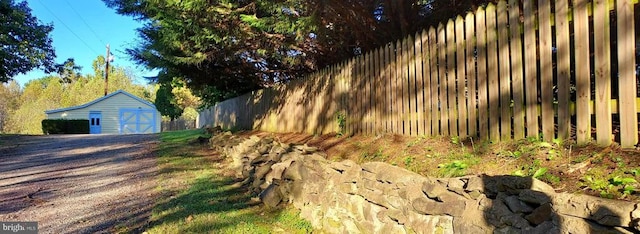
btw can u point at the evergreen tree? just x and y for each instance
(224, 48)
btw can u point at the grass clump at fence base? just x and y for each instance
(196, 196)
(65, 126)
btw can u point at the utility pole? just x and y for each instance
(106, 72)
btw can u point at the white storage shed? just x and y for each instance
(117, 113)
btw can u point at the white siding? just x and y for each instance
(110, 109)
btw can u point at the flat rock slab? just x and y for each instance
(78, 183)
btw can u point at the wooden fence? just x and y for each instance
(506, 71)
(178, 124)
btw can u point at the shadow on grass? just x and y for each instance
(210, 202)
(207, 195)
(221, 205)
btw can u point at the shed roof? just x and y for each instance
(101, 99)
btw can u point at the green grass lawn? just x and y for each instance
(197, 198)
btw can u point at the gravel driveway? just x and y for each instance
(78, 183)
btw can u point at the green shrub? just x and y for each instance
(65, 126)
(453, 169)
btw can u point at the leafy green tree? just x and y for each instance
(68, 71)
(98, 66)
(186, 100)
(184, 97)
(9, 94)
(24, 40)
(166, 102)
(38, 95)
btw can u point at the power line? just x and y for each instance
(118, 56)
(85, 22)
(65, 25)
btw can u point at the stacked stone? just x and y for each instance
(375, 197)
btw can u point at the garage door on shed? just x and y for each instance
(133, 121)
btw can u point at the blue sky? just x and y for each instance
(82, 28)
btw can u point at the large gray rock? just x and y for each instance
(546, 227)
(474, 183)
(389, 174)
(534, 197)
(346, 171)
(429, 207)
(294, 171)
(305, 149)
(570, 224)
(374, 196)
(262, 170)
(277, 170)
(507, 230)
(263, 148)
(635, 217)
(516, 205)
(271, 196)
(541, 214)
(455, 184)
(502, 216)
(603, 211)
(434, 191)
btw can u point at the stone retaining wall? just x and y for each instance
(375, 197)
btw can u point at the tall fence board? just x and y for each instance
(368, 90)
(352, 103)
(493, 100)
(442, 81)
(626, 68)
(404, 77)
(470, 67)
(411, 91)
(397, 89)
(531, 69)
(505, 71)
(602, 71)
(379, 98)
(419, 85)
(582, 76)
(515, 57)
(359, 97)
(433, 83)
(450, 80)
(508, 71)
(483, 101)
(546, 67)
(563, 68)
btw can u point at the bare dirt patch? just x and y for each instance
(78, 183)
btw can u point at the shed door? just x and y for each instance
(133, 121)
(95, 127)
